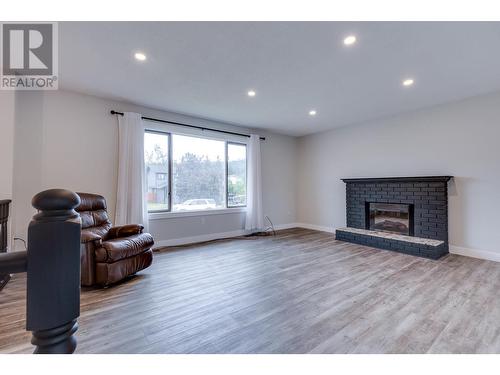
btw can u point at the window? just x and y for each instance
(188, 173)
(198, 173)
(236, 175)
(156, 158)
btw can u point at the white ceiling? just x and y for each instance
(206, 68)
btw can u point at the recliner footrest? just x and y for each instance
(109, 273)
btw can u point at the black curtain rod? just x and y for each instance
(189, 126)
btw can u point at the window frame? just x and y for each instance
(159, 214)
(169, 169)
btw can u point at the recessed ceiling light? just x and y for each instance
(251, 93)
(312, 112)
(408, 82)
(351, 39)
(140, 56)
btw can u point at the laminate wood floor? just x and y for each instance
(299, 292)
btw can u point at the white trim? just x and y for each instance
(474, 253)
(201, 238)
(286, 226)
(316, 227)
(173, 215)
(214, 236)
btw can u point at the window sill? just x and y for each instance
(173, 215)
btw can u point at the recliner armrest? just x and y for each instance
(88, 236)
(124, 231)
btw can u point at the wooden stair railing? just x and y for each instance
(52, 264)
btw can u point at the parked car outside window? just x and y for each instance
(196, 204)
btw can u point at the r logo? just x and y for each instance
(27, 49)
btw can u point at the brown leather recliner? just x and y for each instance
(109, 254)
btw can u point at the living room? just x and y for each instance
(250, 187)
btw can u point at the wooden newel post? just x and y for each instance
(53, 269)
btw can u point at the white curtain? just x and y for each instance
(254, 218)
(131, 206)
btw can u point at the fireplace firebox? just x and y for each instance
(389, 217)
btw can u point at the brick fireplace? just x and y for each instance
(403, 214)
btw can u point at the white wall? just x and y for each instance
(279, 177)
(459, 139)
(7, 120)
(69, 140)
(28, 147)
(7, 109)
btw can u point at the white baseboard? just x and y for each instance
(235, 233)
(201, 238)
(473, 253)
(286, 226)
(316, 227)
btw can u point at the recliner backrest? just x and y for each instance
(94, 214)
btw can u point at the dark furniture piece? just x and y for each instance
(52, 265)
(110, 254)
(4, 216)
